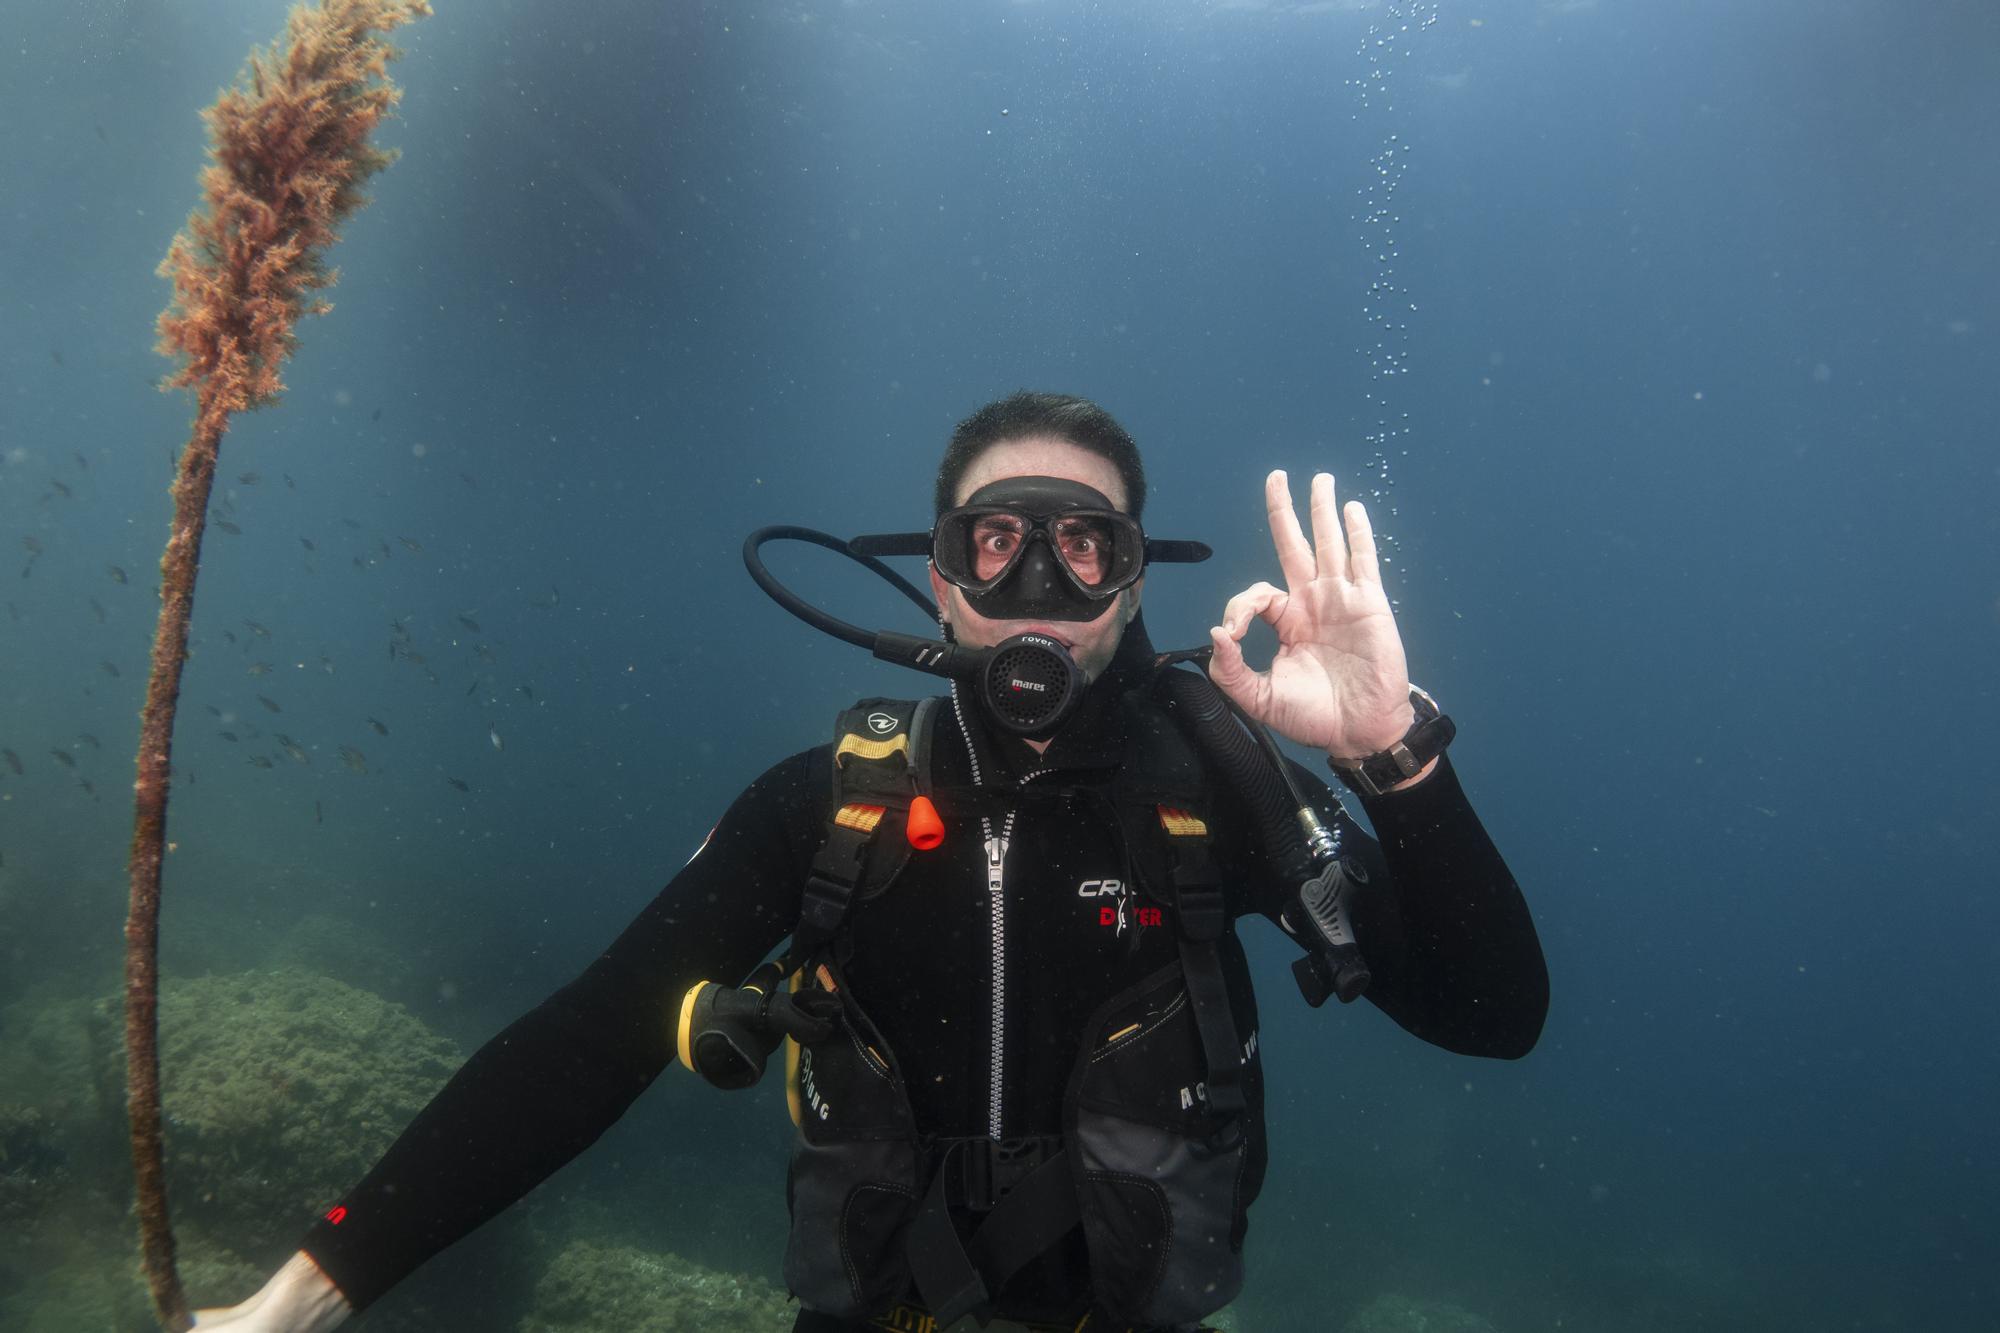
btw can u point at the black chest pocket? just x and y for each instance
(1164, 1181)
(856, 1170)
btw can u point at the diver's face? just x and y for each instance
(1091, 642)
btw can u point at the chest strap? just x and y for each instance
(1202, 910)
(1024, 1189)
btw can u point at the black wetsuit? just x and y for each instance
(1444, 928)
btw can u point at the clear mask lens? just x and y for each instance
(978, 546)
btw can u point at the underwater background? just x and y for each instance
(1660, 337)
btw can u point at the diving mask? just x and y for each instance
(1023, 548)
(1038, 548)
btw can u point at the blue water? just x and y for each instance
(1672, 394)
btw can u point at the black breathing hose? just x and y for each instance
(1261, 779)
(753, 560)
(1300, 846)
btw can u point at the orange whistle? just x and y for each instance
(924, 830)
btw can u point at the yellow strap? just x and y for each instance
(858, 816)
(866, 748)
(1181, 823)
(793, 1103)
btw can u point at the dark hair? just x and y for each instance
(1021, 415)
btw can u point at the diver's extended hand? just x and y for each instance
(1339, 682)
(299, 1298)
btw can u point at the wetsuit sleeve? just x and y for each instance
(545, 1088)
(1443, 925)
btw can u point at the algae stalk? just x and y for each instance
(289, 150)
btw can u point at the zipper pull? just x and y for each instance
(996, 852)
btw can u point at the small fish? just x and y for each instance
(260, 669)
(117, 574)
(109, 668)
(293, 748)
(64, 757)
(257, 629)
(82, 463)
(468, 622)
(307, 543)
(89, 740)
(228, 527)
(410, 544)
(213, 709)
(376, 415)
(471, 482)
(353, 758)
(484, 653)
(89, 788)
(231, 636)
(319, 816)
(383, 547)
(527, 690)
(290, 485)
(380, 730)
(262, 761)
(471, 689)
(247, 479)
(458, 783)
(271, 704)
(354, 523)
(31, 545)
(493, 735)
(13, 761)
(97, 609)
(61, 489)
(229, 736)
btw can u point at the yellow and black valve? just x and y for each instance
(727, 1033)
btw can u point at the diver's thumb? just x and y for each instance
(1226, 667)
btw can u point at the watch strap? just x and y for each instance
(1424, 741)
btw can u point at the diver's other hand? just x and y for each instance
(1339, 682)
(299, 1298)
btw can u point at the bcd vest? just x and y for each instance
(1162, 1147)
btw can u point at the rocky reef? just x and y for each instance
(1403, 1314)
(593, 1287)
(280, 1087)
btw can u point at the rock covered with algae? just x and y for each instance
(34, 1170)
(281, 1088)
(597, 1288)
(1401, 1314)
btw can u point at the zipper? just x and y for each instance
(996, 899)
(1136, 1031)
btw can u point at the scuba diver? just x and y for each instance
(995, 930)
